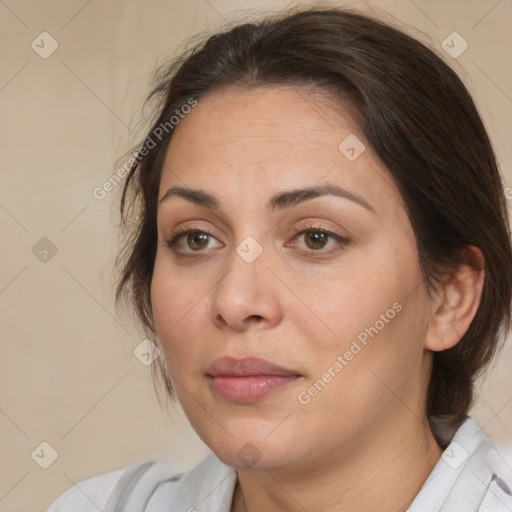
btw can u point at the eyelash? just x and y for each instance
(303, 228)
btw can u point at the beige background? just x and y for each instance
(68, 375)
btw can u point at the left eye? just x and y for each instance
(316, 238)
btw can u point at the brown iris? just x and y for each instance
(317, 238)
(194, 236)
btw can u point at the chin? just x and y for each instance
(249, 457)
(246, 452)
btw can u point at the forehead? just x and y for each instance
(261, 121)
(266, 139)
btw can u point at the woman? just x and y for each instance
(322, 252)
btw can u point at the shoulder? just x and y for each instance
(492, 473)
(472, 474)
(89, 494)
(96, 492)
(153, 486)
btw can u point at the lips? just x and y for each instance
(249, 379)
(247, 366)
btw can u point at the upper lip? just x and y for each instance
(230, 366)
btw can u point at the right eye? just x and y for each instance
(195, 238)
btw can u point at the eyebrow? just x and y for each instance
(280, 201)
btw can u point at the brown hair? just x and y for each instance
(419, 118)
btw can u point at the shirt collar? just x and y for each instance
(208, 486)
(461, 480)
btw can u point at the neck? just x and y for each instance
(381, 471)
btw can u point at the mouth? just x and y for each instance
(249, 379)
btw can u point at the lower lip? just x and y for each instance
(250, 388)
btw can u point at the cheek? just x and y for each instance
(354, 301)
(172, 304)
(162, 302)
(179, 304)
(370, 362)
(376, 312)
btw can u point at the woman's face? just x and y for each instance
(347, 316)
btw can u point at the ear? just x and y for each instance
(457, 302)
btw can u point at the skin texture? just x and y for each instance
(363, 442)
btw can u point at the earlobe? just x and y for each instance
(457, 302)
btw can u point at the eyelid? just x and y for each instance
(316, 227)
(173, 240)
(301, 229)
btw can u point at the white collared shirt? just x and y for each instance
(471, 476)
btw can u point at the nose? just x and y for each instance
(247, 293)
